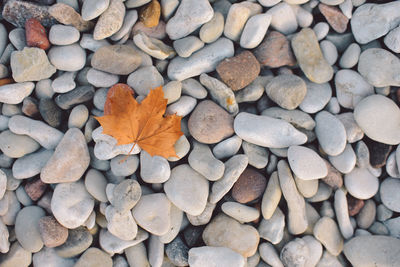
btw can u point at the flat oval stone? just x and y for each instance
(91, 9)
(250, 186)
(31, 165)
(68, 57)
(331, 133)
(327, 232)
(317, 97)
(63, 35)
(379, 118)
(220, 256)
(110, 21)
(306, 163)
(388, 194)
(361, 183)
(52, 232)
(240, 212)
(266, 131)
(27, 222)
(94, 257)
(373, 250)
(15, 93)
(16, 146)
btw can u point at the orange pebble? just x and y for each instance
(36, 34)
(6, 81)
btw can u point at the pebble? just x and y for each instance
(366, 216)
(296, 117)
(152, 213)
(380, 250)
(153, 46)
(240, 212)
(392, 39)
(204, 217)
(241, 238)
(321, 30)
(331, 133)
(361, 184)
(316, 98)
(227, 148)
(271, 196)
(116, 59)
(110, 21)
(144, 79)
(176, 223)
(353, 131)
(213, 29)
(79, 239)
(189, 16)
(203, 161)
(12, 208)
(17, 38)
(130, 19)
(36, 34)
(202, 61)
(383, 213)
(124, 165)
(95, 184)
(269, 254)
(258, 156)
(156, 251)
(391, 166)
(254, 31)
(3, 43)
(309, 56)
(78, 95)
(94, 257)
(267, 132)
(136, 255)
(17, 13)
(342, 214)
(329, 51)
(297, 220)
(49, 257)
(50, 112)
(193, 88)
(220, 256)
(345, 161)
(295, 90)
(306, 164)
(390, 199)
(172, 91)
(383, 71)
(283, 18)
(16, 256)
(99, 78)
(126, 195)
(92, 9)
(16, 92)
(209, 123)
(31, 164)
(184, 179)
(112, 244)
(43, 89)
(350, 56)
(121, 223)
(272, 229)
(177, 252)
(185, 47)
(351, 88)
(249, 186)
(27, 222)
(136, 3)
(64, 83)
(154, 169)
(78, 117)
(17, 146)
(366, 30)
(335, 17)
(69, 161)
(157, 32)
(327, 232)
(68, 58)
(3, 184)
(67, 15)
(52, 233)
(31, 64)
(295, 253)
(234, 167)
(91, 44)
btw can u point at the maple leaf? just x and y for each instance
(144, 124)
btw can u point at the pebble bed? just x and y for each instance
(290, 154)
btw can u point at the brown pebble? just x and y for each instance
(209, 123)
(354, 205)
(275, 51)
(150, 15)
(250, 186)
(53, 234)
(35, 189)
(30, 106)
(67, 15)
(239, 71)
(36, 35)
(334, 17)
(334, 178)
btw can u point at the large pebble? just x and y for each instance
(361, 183)
(145, 79)
(67, 15)
(258, 156)
(272, 229)
(353, 131)
(220, 256)
(48, 257)
(327, 232)
(110, 21)
(295, 253)
(392, 40)
(69, 161)
(16, 146)
(283, 18)
(121, 224)
(350, 56)
(91, 9)
(64, 83)
(79, 95)
(31, 64)
(330, 132)
(250, 186)
(46, 136)
(116, 59)
(31, 165)
(16, 256)
(16, 92)
(373, 250)
(154, 169)
(379, 67)
(190, 15)
(387, 193)
(317, 97)
(336, 19)
(152, 213)
(63, 35)
(266, 131)
(271, 197)
(153, 47)
(68, 58)
(95, 184)
(378, 117)
(52, 232)
(182, 181)
(309, 56)
(71, 204)
(240, 237)
(27, 222)
(100, 78)
(240, 212)
(385, 17)
(202, 61)
(187, 46)
(306, 163)
(255, 30)
(213, 29)
(342, 214)
(126, 195)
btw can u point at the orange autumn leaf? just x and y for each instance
(144, 124)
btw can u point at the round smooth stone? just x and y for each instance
(379, 118)
(331, 133)
(317, 97)
(63, 35)
(68, 58)
(95, 184)
(389, 194)
(306, 163)
(27, 230)
(361, 183)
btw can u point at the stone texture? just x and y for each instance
(150, 15)
(335, 17)
(110, 21)
(36, 34)
(52, 233)
(67, 15)
(250, 186)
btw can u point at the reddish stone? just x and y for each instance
(334, 17)
(354, 205)
(30, 107)
(275, 51)
(239, 71)
(35, 189)
(334, 178)
(52, 232)
(36, 34)
(250, 186)
(6, 81)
